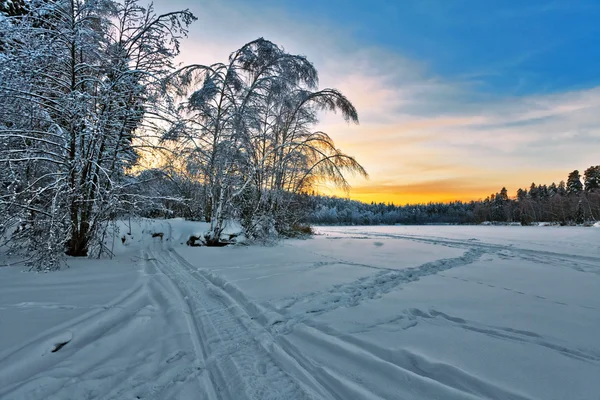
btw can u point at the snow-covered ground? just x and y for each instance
(430, 312)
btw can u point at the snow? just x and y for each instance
(424, 312)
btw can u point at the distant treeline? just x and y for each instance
(566, 203)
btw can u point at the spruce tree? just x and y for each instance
(574, 185)
(592, 178)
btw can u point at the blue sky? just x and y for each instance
(457, 98)
(507, 47)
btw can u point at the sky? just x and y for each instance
(456, 98)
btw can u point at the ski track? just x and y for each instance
(380, 369)
(236, 352)
(433, 316)
(80, 371)
(294, 330)
(518, 292)
(30, 361)
(217, 344)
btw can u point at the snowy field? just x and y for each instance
(430, 312)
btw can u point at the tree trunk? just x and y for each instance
(78, 244)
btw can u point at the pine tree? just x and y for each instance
(574, 185)
(504, 194)
(592, 178)
(533, 191)
(562, 188)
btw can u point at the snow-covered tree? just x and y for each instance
(77, 81)
(247, 128)
(592, 178)
(13, 8)
(574, 185)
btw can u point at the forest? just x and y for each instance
(98, 122)
(573, 202)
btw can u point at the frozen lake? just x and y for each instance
(424, 312)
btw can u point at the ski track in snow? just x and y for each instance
(380, 369)
(580, 263)
(292, 325)
(217, 344)
(234, 350)
(80, 371)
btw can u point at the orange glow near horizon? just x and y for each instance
(402, 195)
(423, 139)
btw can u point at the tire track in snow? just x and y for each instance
(163, 292)
(345, 355)
(237, 352)
(317, 378)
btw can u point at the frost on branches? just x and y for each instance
(86, 87)
(247, 130)
(78, 80)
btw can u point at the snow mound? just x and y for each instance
(128, 235)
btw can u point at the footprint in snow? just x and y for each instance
(60, 341)
(176, 357)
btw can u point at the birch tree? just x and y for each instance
(246, 127)
(77, 81)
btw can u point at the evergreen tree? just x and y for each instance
(533, 191)
(574, 185)
(562, 188)
(592, 178)
(503, 194)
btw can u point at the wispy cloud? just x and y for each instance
(422, 137)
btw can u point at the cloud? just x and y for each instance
(415, 126)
